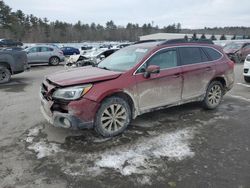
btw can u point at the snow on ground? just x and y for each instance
(135, 159)
(140, 157)
(33, 133)
(44, 149)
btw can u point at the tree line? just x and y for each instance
(29, 28)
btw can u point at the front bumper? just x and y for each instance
(63, 120)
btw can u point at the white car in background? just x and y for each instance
(246, 72)
(93, 58)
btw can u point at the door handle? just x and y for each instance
(177, 75)
(208, 68)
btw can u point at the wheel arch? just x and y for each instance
(220, 79)
(6, 65)
(127, 97)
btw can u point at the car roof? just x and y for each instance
(43, 45)
(163, 44)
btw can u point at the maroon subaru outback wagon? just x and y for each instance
(135, 80)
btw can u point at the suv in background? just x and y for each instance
(44, 54)
(12, 61)
(247, 69)
(137, 79)
(9, 43)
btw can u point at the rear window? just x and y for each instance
(213, 54)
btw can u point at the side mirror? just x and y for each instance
(152, 69)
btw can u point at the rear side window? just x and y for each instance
(191, 55)
(213, 54)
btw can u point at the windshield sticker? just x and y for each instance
(140, 50)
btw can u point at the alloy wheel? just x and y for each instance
(2, 75)
(113, 118)
(54, 61)
(214, 95)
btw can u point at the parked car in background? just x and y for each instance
(44, 54)
(12, 61)
(122, 45)
(237, 51)
(96, 56)
(135, 80)
(86, 49)
(91, 58)
(70, 51)
(246, 72)
(9, 43)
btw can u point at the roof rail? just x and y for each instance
(176, 41)
(145, 41)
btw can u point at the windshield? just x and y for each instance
(233, 46)
(124, 59)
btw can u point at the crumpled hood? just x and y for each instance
(82, 75)
(231, 51)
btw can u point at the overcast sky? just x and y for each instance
(190, 13)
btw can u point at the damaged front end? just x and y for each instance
(235, 57)
(74, 113)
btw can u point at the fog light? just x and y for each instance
(66, 123)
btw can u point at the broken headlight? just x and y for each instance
(71, 93)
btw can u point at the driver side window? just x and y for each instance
(164, 59)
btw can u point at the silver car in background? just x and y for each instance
(44, 54)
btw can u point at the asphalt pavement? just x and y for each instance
(183, 146)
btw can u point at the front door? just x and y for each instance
(33, 55)
(163, 88)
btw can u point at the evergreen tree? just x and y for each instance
(223, 37)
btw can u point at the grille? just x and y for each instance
(246, 71)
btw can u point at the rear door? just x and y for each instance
(45, 54)
(163, 88)
(197, 71)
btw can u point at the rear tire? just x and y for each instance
(113, 117)
(213, 95)
(5, 74)
(247, 79)
(54, 61)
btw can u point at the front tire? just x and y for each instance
(54, 61)
(113, 117)
(213, 95)
(5, 74)
(247, 79)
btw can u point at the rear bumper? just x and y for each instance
(62, 59)
(68, 120)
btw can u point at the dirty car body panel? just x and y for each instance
(175, 83)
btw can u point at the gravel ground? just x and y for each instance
(183, 146)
